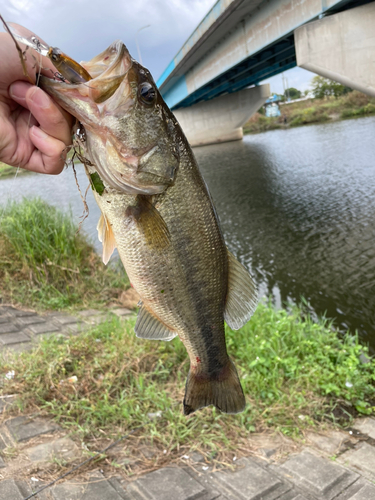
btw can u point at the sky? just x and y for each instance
(84, 28)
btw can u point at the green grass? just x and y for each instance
(308, 115)
(296, 374)
(8, 171)
(369, 109)
(45, 264)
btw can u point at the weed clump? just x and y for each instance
(294, 372)
(308, 115)
(44, 263)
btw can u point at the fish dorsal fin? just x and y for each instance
(149, 327)
(242, 295)
(106, 236)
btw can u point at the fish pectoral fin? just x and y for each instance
(242, 295)
(106, 236)
(150, 222)
(149, 327)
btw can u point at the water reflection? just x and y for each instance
(296, 206)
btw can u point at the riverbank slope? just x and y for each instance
(354, 104)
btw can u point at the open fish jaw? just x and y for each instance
(113, 108)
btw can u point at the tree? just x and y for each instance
(292, 93)
(324, 87)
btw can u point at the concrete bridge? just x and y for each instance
(243, 42)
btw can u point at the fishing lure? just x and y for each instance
(67, 68)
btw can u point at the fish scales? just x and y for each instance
(190, 268)
(157, 211)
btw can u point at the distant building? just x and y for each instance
(272, 106)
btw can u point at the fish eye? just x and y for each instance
(147, 93)
(54, 54)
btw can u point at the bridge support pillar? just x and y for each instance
(221, 119)
(341, 47)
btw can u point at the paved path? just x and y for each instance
(335, 466)
(20, 330)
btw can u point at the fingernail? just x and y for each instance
(40, 98)
(38, 132)
(18, 91)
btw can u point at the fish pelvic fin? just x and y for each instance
(242, 295)
(149, 327)
(222, 389)
(106, 237)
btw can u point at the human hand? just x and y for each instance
(34, 130)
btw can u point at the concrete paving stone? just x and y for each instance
(169, 484)
(9, 490)
(25, 346)
(366, 426)
(88, 313)
(122, 312)
(6, 402)
(65, 319)
(2, 463)
(292, 495)
(8, 328)
(362, 459)
(62, 449)
(5, 318)
(316, 475)
(115, 482)
(97, 488)
(330, 443)
(30, 320)
(249, 482)
(5, 439)
(20, 314)
(74, 327)
(13, 338)
(365, 493)
(96, 320)
(360, 490)
(23, 428)
(46, 327)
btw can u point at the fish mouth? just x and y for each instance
(85, 100)
(125, 160)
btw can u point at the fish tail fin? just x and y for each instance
(222, 389)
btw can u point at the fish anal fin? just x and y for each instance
(106, 237)
(150, 222)
(242, 295)
(149, 327)
(222, 389)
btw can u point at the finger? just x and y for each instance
(11, 64)
(52, 119)
(49, 156)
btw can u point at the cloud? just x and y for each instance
(83, 28)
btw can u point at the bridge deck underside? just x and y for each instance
(270, 61)
(279, 57)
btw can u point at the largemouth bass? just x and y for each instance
(157, 211)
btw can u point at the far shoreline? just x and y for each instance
(313, 111)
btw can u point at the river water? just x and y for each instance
(297, 207)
